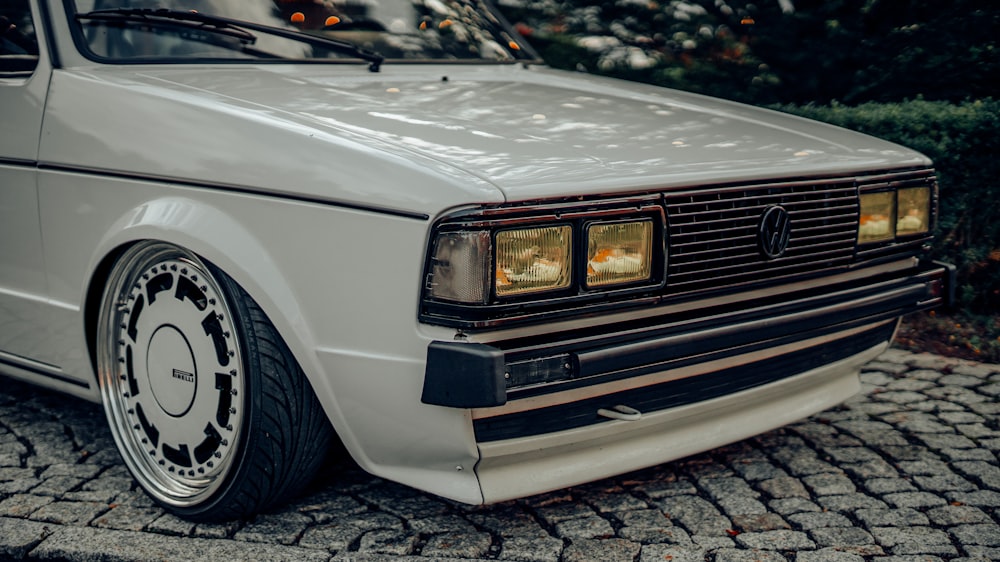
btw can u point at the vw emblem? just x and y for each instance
(773, 232)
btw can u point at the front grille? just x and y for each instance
(713, 235)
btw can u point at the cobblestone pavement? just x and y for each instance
(907, 471)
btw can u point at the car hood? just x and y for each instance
(483, 133)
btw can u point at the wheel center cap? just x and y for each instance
(173, 375)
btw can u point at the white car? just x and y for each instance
(248, 227)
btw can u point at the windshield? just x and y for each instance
(397, 30)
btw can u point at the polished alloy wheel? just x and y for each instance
(171, 373)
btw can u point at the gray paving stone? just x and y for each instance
(556, 514)
(20, 537)
(385, 541)
(931, 362)
(775, 540)
(905, 517)
(216, 530)
(878, 468)
(660, 552)
(938, 406)
(969, 381)
(759, 522)
(948, 482)
(757, 471)
(900, 397)
(656, 535)
(169, 524)
(712, 543)
(738, 505)
(592, 527)
(809, 521)
(991, 408)
(325, 507)
(612, 550)
(19, 486)
(841, 537)
(968, 455)
(982, 553)
(660, 490)
(784, 487)
(956, 395)
(69, 513)
(909, 383)
(531, 549)
(57, 486)
(696, 514)
(508, 522)
(87, 543)
(619, 501)
(929, 467)
(896, 356)
(978, 370)
(719, 488)
(850, 502)
(458, 545)
(23, 505)
(880, 486)
(875, 408)
(333, 536)
(979, 498)
(829, 484)
(948, 515)
(913, 499)
(985, 534)
(893, 368)
(986, 473)
(740, 555)
(410, 507)
(828, 555)
(81, 471)
(803, 462)
(283, 528)
(914, 540)
(441, 524)
(126, 518)
(789, 506)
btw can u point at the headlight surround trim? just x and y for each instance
(493, 222)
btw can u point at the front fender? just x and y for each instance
(217, 237)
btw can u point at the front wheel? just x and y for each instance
(209, 409)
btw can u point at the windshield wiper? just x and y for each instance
(234, 28)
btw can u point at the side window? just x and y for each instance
(18, 44)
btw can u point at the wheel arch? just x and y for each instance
(216, 237)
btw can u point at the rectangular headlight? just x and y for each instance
(619, 253)
(877, 210)
(913, 211)
(530, 260)
(460, 267)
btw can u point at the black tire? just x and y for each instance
(209, 409)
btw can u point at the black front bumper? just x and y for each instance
(476, 375)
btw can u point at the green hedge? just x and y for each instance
(964, 142)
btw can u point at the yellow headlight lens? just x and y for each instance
(877, 210)
(913, 211)
(532, 260)
(619, 253)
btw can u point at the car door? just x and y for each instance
(24, 78)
